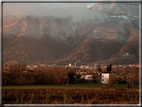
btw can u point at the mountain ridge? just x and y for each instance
(32, 39)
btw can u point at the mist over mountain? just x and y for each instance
(77, 11)
(93, 37)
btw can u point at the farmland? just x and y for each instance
(62, 86)
(69, 94)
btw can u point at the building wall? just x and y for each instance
(89, 77)
(82, 77)
(105, 78)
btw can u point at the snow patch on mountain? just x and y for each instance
(22, 30)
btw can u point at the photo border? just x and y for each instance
(73, 1)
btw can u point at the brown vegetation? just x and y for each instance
(69, 96)
(19, 74)
(16, 76)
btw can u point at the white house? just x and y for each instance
(107, 76)
(82, 77)
(89, 77)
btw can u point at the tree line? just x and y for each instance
(18, 75)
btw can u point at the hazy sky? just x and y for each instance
(77, 11)
(42, 9)
(12, 8)
(57, 4)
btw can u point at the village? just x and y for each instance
(86, 73)
(103, 79)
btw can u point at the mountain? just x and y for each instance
(28, 39)
(92, 50)
(108, 43)
(34, 39)
(116, 8)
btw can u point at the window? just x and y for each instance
(102, 79)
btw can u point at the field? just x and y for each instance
(83, 93)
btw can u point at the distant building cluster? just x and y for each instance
(85, 72)
(73, 66)
(123, 16)
(127, 54)
(119, 17)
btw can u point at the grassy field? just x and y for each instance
(76, 85)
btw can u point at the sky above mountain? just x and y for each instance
(78, 11)
(53, 4)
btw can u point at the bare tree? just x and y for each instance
(132, 77)
(112, 81)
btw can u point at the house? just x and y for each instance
(127, 54)
(82, 77)
(93, 77)
(107, 77)
(89, 77)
